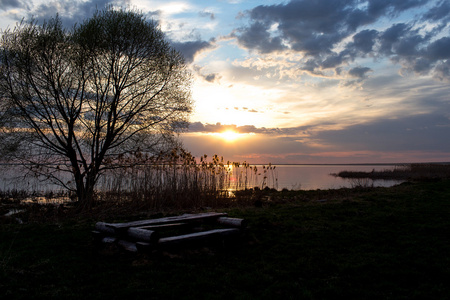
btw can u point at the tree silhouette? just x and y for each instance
(78, 100)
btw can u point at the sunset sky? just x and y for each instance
(307, 81)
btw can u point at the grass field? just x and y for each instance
(366, 243)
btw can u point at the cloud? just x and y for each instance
(254, 148)
(5, 4)
(378, 8)
(314, 27)
(212, 77)
(209, 77)
(332, 34)
(363, 41)
(214, 128)
(423, 132)
(207, 14)
(442, 71)
(439, 49)
(72, 11)
(414, 55)
(192, 48)
(198, 127)
(441, 12)
(257, 37)
(402, 40)
(405, 138)
(359, 72)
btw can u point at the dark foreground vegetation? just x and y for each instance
(362, 243)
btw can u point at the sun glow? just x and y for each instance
(229, 135)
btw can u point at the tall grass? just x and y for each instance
(179, 180)
(170, 180)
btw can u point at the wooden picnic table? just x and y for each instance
(145, 234)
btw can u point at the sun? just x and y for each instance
(229, 135)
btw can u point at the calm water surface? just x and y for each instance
(312, 177)
(304, 177)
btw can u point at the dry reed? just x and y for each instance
(179, 180)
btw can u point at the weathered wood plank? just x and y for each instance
(143, 246)
(191, 237)
(109, 240)
(232, 222)
(167, 220)
(127, 245)
(144, 235)
(101, 238)
(103, 227)
(164, 226)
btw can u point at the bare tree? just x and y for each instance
(83, 98)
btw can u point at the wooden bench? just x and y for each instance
(146, 234)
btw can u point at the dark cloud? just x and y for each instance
(378, 8)
(257, 37)
(375, 9)
(315, 28)
(441, 12)
(415, 53)
(442, 71)
(400, 137)
(401, 42)
(359, 72)
(424, 132)
(421, 66)
(72, 11)
(211, 77)
(207, 14)
(312, 65)
(5, 4)
(331, 61)
(210, 128)
(255, 149)
(218, 127)
(364, 41)
(192, 48)
(439, 49)
(309, 26)
(409, 44)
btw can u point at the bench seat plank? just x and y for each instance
(179, 239)
(168, 220)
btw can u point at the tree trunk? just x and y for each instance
(85, 191)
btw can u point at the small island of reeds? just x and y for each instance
(418, 171)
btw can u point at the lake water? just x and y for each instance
(304, 177)
(312, 177)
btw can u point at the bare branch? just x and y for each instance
(105, 88)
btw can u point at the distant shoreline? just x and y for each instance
(363, 164)
(409, 172)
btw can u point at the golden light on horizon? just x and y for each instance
(229, 135)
